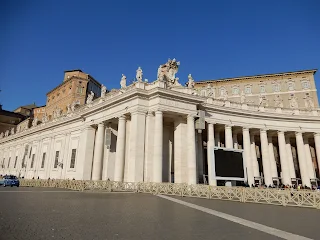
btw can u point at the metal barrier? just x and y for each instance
(284, 197)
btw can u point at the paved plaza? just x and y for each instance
(46, 213)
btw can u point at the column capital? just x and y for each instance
(228, 126)
(158, 112)
(245, 129)
(298, 133)
(139, 111)
(122, 118)
(150, 114)
(100, 124)
(263, 130)
(280, 132)
(316, 134)
(191, 116)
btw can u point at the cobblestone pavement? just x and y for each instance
(34, 213)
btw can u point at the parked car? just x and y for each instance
(9, 180)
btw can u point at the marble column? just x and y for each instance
(235, 140)
(286, 179)
(158, 147)
(136, 146)
(120, 149)
(302, 160)
(317, 147)
(311, 171)
(210, 156)
(85, 157)
(228, 136)
(148, 151)
(192, 163)
(98, 153)
(290, 158)
(254, 160)
(200, 155)
(265, 157)
(247, 155)
(273, 165)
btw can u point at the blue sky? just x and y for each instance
(212, 39)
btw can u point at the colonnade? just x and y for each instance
(269, 166)
(140, 157)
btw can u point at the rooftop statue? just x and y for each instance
(12, 131)
(123, 81)
(167, 72)
(139, 74)
(103, 90)
(90, 97)
(34, 122)
(190, 83)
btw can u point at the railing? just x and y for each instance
(284, 197)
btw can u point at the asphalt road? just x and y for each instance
(40, 213)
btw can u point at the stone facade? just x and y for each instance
(268, 90)
(74, 90)
(146, 132)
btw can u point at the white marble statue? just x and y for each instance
(190, 83)
(278, 102)
(12, 131)
(123, 81)
(243, 97)
(103, 90)
(167, 72)
(34, 122)
(73, 106)
(139, 74)
(90, 97)
(293, 103)
(6, 133)
(1, 135)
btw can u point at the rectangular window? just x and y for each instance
(32, 161)
(9, 162)
(235, 91)
(290, 86)
(247, 90)
(305, 84)
(262, 88)
(276, 87)
(56, 160)
(43, 159)
(15, 162)
(73, 158)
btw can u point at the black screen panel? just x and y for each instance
(228, 164)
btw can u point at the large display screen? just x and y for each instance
(228, 164)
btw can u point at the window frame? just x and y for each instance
(43, 159)
(56, 159)
(73, 158)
